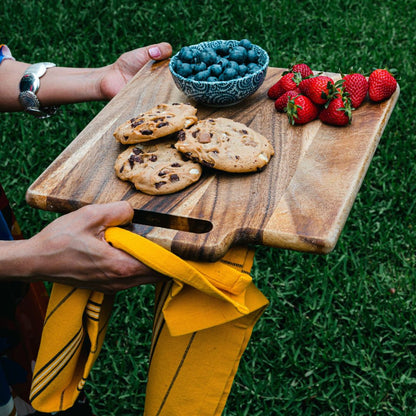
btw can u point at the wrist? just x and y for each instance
(29, 86)
(99, 84)
(80, 85)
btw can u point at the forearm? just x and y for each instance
(59, 85)
(14, 260)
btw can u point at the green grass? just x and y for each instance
(335, 340)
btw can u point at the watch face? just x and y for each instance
(29, 82)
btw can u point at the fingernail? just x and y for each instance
(154, 52)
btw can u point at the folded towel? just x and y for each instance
(209, 310)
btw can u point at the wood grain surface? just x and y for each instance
(300, 201)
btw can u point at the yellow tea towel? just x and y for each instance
(201, 299)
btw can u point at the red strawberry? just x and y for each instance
(381, 85)
(316, 88)
(275, 91)
(281, 103)
(356, 85)
(288, 82)
(303, 69)
(337, 112)
(301, 110)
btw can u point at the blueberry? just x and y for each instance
(212, 79)
(252, 67)
(229, 73)
(177, 64)
(186, 54)
(216, 70)
(245, 43)
(223, 50)
(223, 62)
(252, 55)
(209, 56)
(202, 76)
(242, 69)
(196, 56)
(232, 64)
(185, 69)
(238, 54)
(202, 66)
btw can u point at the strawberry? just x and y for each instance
(288, 82)
(356, 85)
(275, 91)
(301, 110)
(281, 103)
(316, 88)
(381, 85)
(303, 69)
(337, 112)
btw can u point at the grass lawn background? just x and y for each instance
(335, 340)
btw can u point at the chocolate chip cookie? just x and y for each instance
(156, 168)
(160, 121)
(224, 144)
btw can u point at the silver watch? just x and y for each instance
(29, 85)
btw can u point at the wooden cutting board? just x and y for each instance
(300, 201)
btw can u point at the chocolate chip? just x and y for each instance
(208, 164)
(131, 161)
(121, 169)
(205, 137)
(175, 165)
(244, 131)
(159, 184)
(174, 177)
(146, 132)
(138, 159)
(195, 133)
(153, 158)
(125, 137)
(162, 173)
(162, 124)
(137, 151)
(176, 104)
(137, 123)
(181, 136)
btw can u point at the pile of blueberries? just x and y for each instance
(220, 64)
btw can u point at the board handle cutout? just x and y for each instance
(175, 222)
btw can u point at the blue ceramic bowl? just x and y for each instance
(221, 93)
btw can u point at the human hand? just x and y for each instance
(128, 64)
(73, 250)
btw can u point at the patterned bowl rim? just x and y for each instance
(208, 43)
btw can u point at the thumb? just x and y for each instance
(159, 51)
(113, 213)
